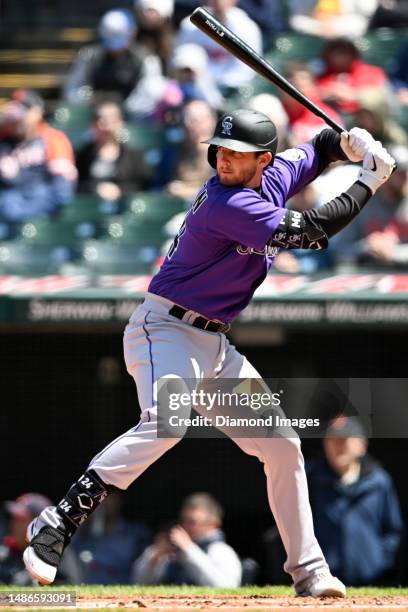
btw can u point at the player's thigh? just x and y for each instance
(155, 349)
(235, 365)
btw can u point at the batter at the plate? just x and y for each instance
(220, 255)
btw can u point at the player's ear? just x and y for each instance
(266, 158)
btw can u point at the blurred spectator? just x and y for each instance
(375, 116)
(331, 18)
(155, 31)
(228, 71)
(193, 74)
(106, 165)
(272, 107)
(379, 235)
(304, 124)
(193, 552)
(346, 76)
(191, 79)
(356, 511)
(390, 14)
(399, 74)
(270, 16)
(184, 8)
(113, 66)
(37, 171)
(193, 168)
(12, 570)
(109, 544)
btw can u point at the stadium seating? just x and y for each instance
(131, 246)
(105, 257)
(88, 207)
(130, 230)
(18, 257)
(155, 206)
(73, 120)
(8, 230)
(147, 138)
(377, 47)
(380, 46)
(45, 232)
(294, 47)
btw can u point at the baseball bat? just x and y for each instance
(208, 24)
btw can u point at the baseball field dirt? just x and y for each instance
(247, 599)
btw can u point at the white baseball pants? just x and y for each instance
(157, 345)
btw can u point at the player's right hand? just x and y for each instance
(378, 166)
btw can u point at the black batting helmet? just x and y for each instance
(245, 131)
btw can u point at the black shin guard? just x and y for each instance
(85, 495)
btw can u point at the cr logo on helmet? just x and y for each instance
(227, 126)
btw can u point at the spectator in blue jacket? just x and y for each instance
(355, 507)
(37, 168)
(399, 73)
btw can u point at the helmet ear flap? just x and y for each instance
(212, 156)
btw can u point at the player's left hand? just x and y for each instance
(180, 538)
(356, 143)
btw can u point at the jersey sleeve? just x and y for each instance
(243, 216)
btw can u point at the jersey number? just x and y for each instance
(200, 199)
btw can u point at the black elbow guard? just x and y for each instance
(295, 232)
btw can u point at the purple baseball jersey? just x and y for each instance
(220, 254)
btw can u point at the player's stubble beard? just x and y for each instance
(234, 179)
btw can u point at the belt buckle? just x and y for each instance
(225, 327)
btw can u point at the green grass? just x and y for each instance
(250, 591)
(136, 591)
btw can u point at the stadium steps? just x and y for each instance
(55, 13)
(39, 60)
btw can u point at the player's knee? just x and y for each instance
(282, 449)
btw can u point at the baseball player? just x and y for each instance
(221, 254)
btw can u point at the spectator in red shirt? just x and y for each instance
(346, 76)
(304, 124)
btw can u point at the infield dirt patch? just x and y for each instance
(247, 604)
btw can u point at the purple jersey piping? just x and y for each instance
(151, 359)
